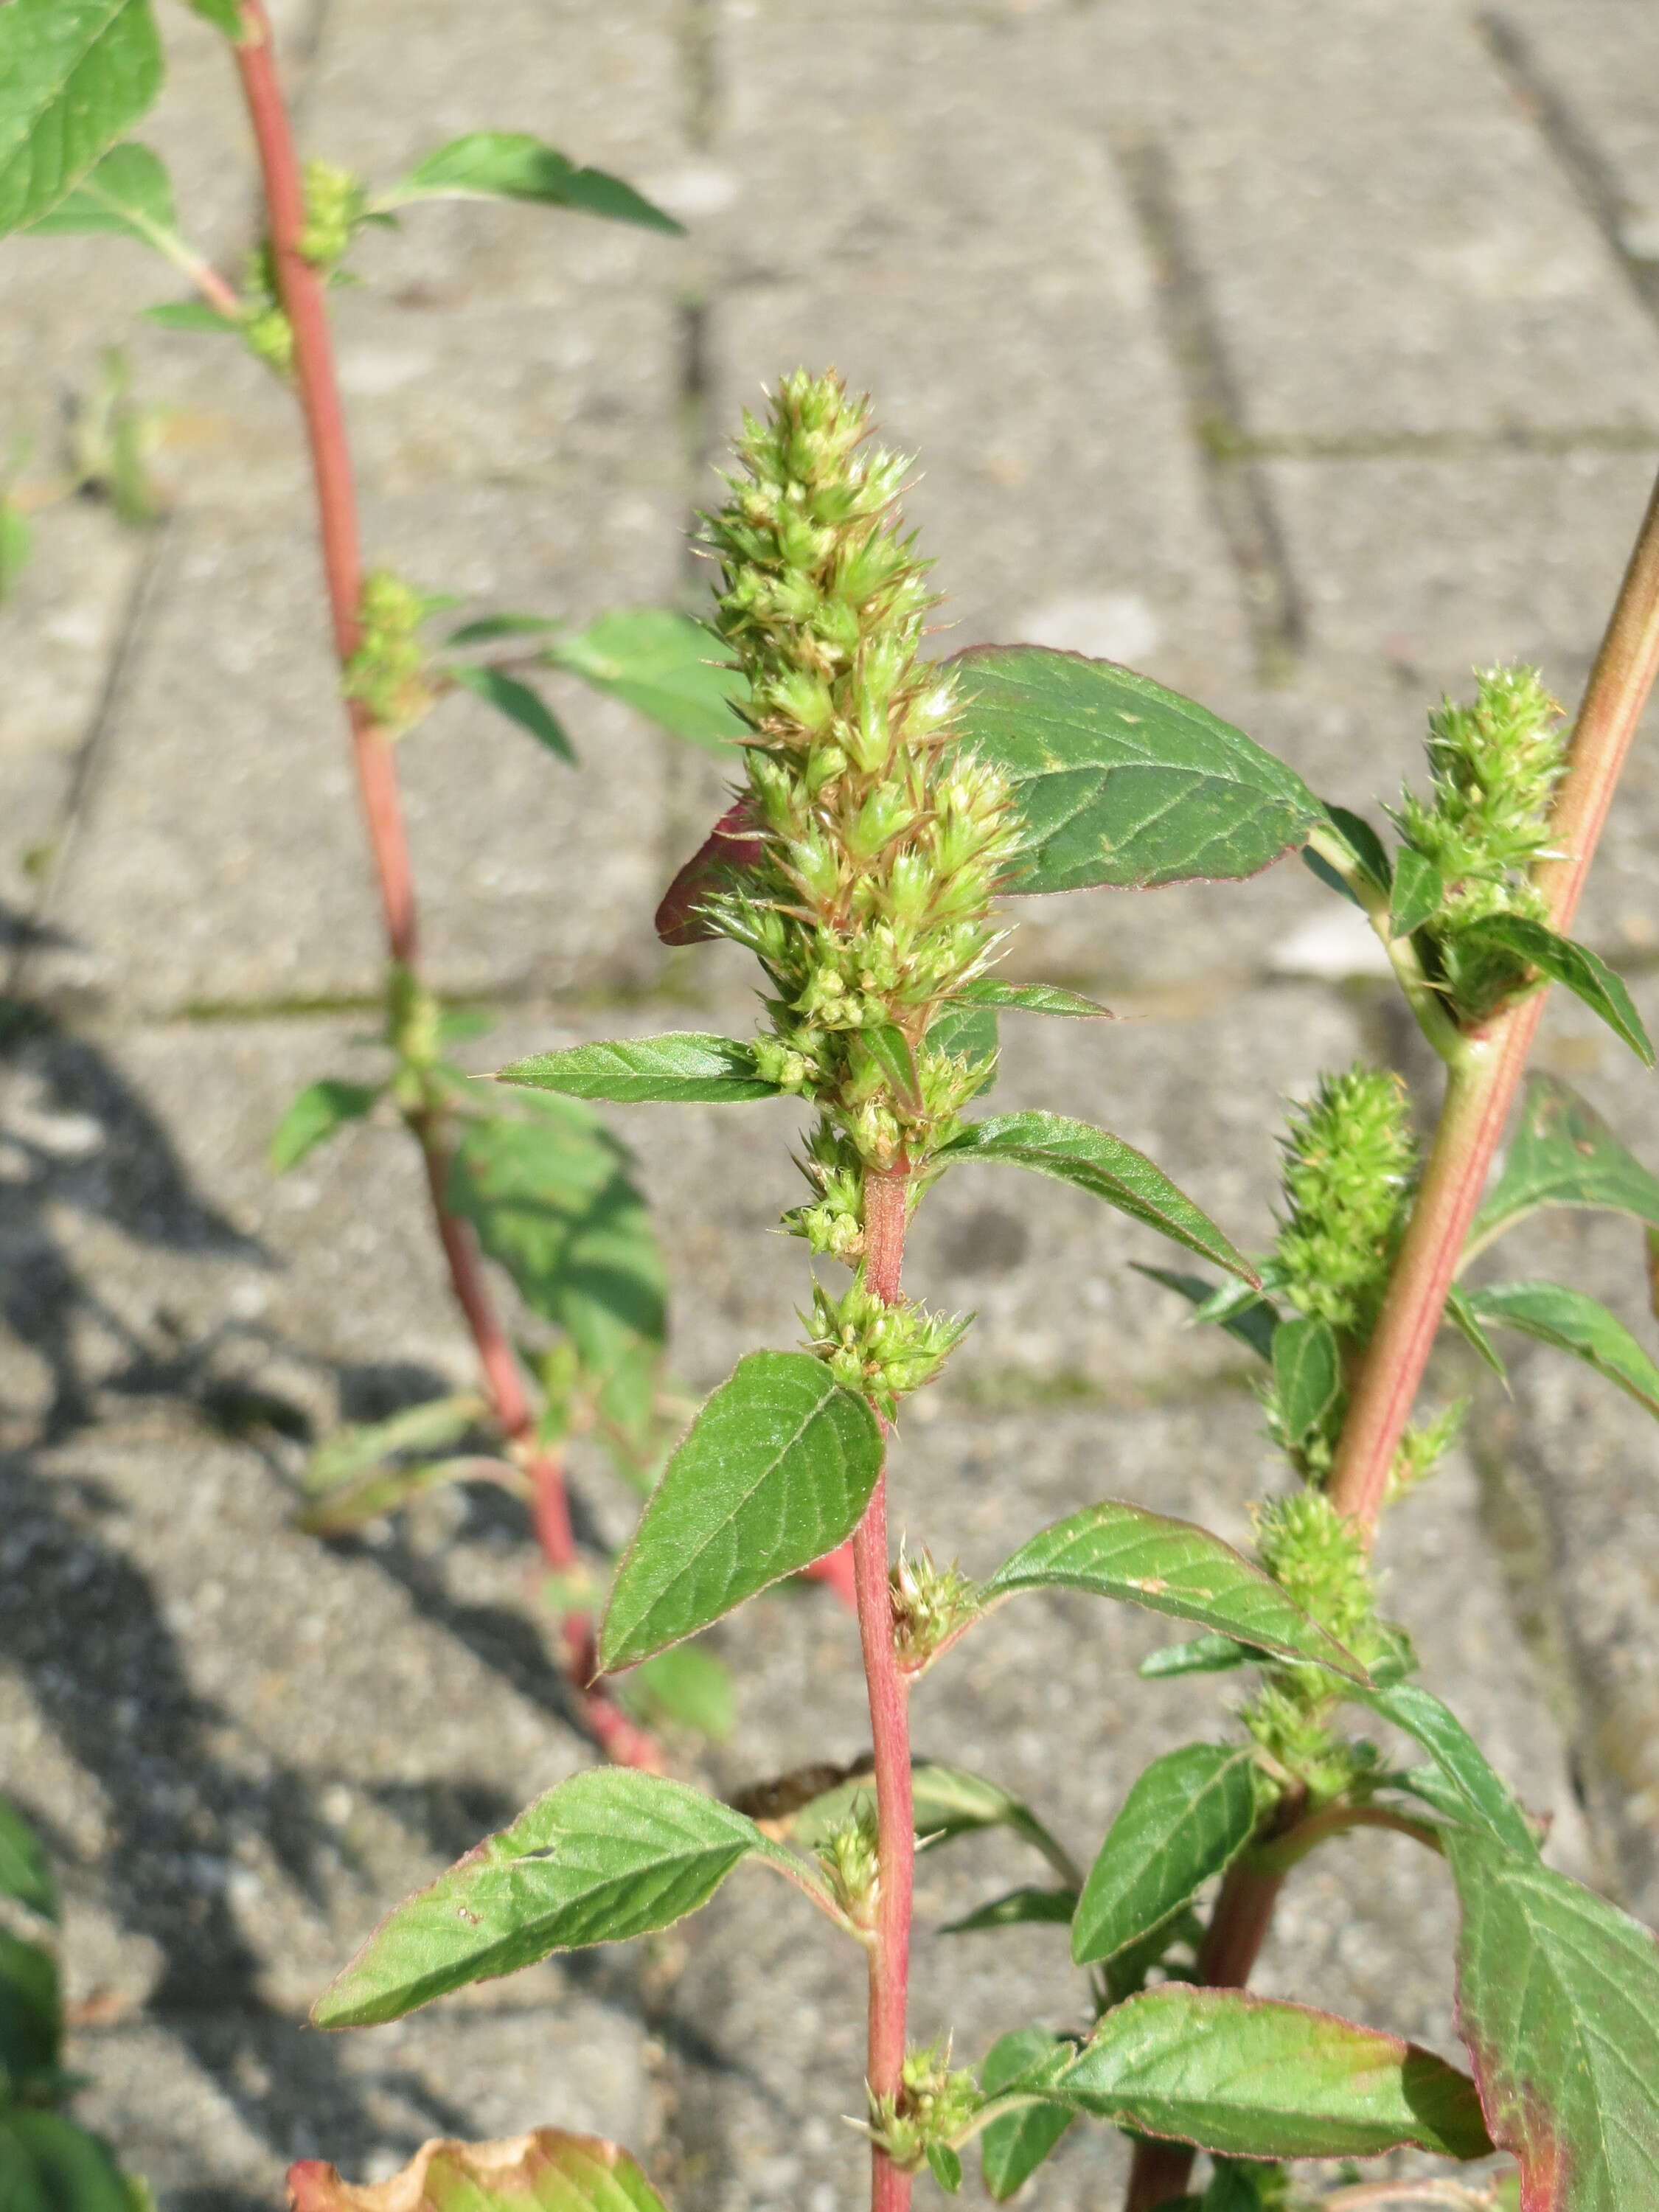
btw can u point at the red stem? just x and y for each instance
(305, 303)
(885, 1208)
(1480, 1092)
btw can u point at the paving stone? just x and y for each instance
(1597, 60)
(228, 771)
(1388, 243)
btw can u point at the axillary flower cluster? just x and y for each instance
(878, 843)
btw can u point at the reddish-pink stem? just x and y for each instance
(1480, 1092)
(304, 302)
(885, 1204)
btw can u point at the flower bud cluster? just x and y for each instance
(883, 1352)
(882, 846)
(1350, 1160)
(1494, 766)
(336, 203)
(849, 1856)
(267, 331)
(930, 1604)
(1317, 1557)
(933, 2106)
(387, 673)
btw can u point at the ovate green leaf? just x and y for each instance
(191, 315)
(1466, 1320)
(74, 74)
(1032, 999)
(511, 165)
(1202, 1655)
(1419, 891)
(225, 15)
(517, 702)
(487, 628)
(553, 1200)
(687, 1686)
(320, 1109)
(48, 2164)
(26, 1874)
(1013, 2146)
(1307, 1376)
(1573, 1323)
(1018, 1908)
(946, 1801)
(1173, 1567)
(546, 2171)
(1254, 2078)
(775, 1471)
(127, 194)
(1187, 1818)
(608, 1855)
(665, 666)
(1558, 2005)
(1253, 1324)
(1581, 971)
(1121, 781)
(1103, 1165)
(685, 1067)
(1485, 1799)
(1563, 1154)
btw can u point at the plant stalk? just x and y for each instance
(885, 1204)
(1482, 1086)
(301, 289)
(1485, 1075)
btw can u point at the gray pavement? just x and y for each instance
(1302, 360)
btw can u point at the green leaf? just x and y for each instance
(1015, 2144)
(517, 702)
(511, 165)
(1168, 1566)
(1365, 848)
(1575, 966)
(74, 74)
(685, 1067)
(1201, 1654)
(1255, 2078)
(26, 1874)
(1252, 1324)
(1103, 1165)
(225, 15)
(967, 1032)
(1463, 1318)
(428, 1426)
(31, 2012)
(775, 1471)
(1031, 999)
(487, 628)
(16, 540)
(553, 1202)
(1563, 1153)
(1572, 1322)
(946, 2166)
(946, 1801)
(320, 1109)
(1120, 781)
(1558, 2005)
(126, 195)
(1187, 1818)
(545, 2171)
(665, 666)
(1419, 891)
(1018, 1908)
(387, 1489)
(1307, 1376)
(1485, 1799)
(889, 1047)
(687, 1687)
(48, 2164)
(191, 315)
(607, 1855)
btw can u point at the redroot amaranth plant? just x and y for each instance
(885, 803)
(547, 1194)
